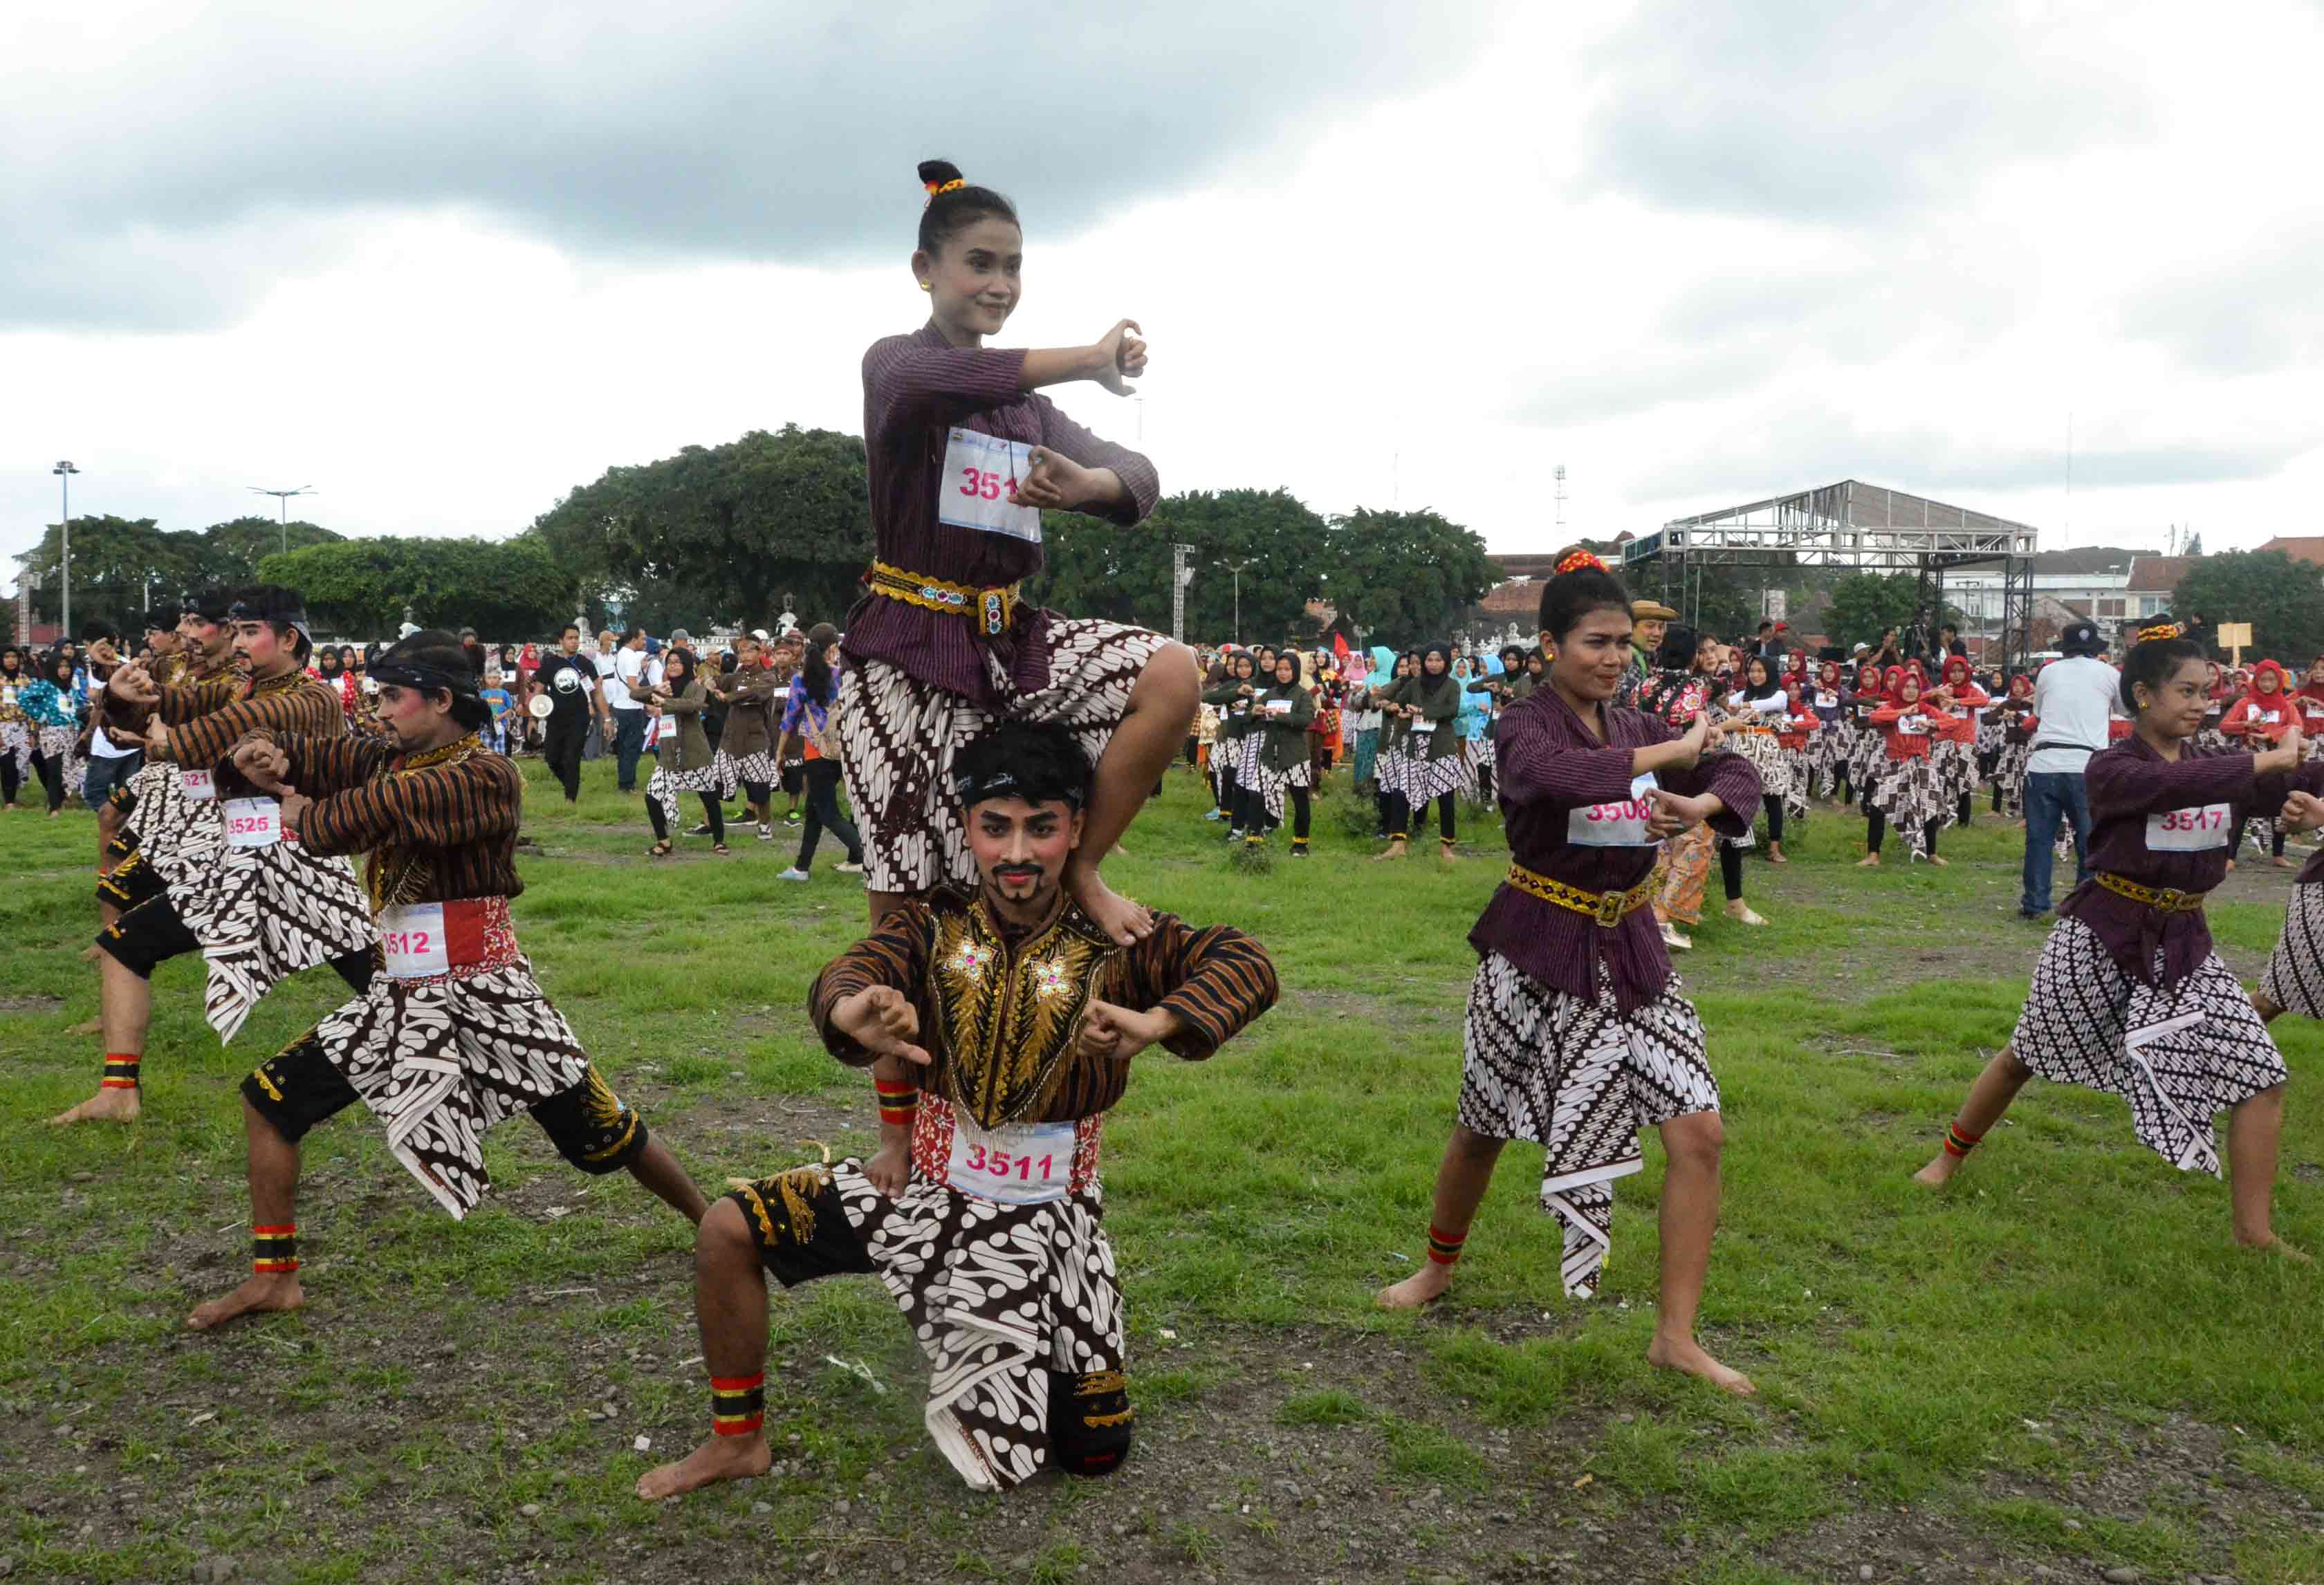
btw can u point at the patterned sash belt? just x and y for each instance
(1608, 908)
(2162, 899)
(993, 610)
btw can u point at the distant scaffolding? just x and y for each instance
(1854, 525)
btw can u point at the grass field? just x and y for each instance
(2064, 1367)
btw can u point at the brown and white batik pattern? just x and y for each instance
(2294, 979)
(1271, 785)
(60, 746)
(1776, 778)
(1391, 770)
(757, 769)
(1906, 791)
(664, 786)
(441, 1060)
(2179, 1057)
(997, 1296)
(1576, 1077)
(17, 743)
(1826, 756)
(897, 736)
(2010, 776)
(179, 837)
(1427, 780)
(1954, 767)
(263, 915)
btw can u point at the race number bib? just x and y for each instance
(1827, 701)
(1422, 728)
(413, 935)
(1618, 824)
(198, 785)
(1023, 1165)
(2188, 831)
(1278, 707)
(2267, 717)
(253, 823)
(1912, 725)
(978, 487)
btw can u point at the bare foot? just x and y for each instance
(1869, 861)
(2269, 1244)
(888, 1171)
(1939, 1172)
(1394, 850)
(721, 1458)
(107, 1106)
(1422, 1289)
(2282, 863)
(1742, 913)
(264, 1292)
(95, 1026)
(1938, 862)
(1686, 1355)
(89, 955)
(1776, 854)
(1124, 921)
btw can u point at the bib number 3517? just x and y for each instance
(978, 487)
(2188, 830)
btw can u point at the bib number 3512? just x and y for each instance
(978, 487)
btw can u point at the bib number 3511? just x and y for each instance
(978, 487)
(1020, 1166)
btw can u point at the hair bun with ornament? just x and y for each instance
(2160, 629)
(940, 175)
(1577, 558)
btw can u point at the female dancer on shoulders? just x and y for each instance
(1577, 1036)
(2129, 995)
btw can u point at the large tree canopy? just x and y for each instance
(507, 590)
(123, 567)
(1404, 577)
(232, 549)
(2283, 599)
(721, 533)
(1264, 542)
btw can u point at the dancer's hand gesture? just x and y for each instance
(2301, 812)
(882, 1020)
(1123, 352)
(262, 763)
(2285, 756)
(1059, 483)
(134, 684)
(1117, 1034)
(1673, 814)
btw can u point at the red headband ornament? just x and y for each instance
(937, 188)
(1579, 559)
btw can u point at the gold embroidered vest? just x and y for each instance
(1006, 1015)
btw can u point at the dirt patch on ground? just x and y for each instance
(32, 1004)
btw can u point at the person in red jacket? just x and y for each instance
(1954, 760)
(1905, 792)
(2256, 721)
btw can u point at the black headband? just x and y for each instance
(973, 790)
(295, 617)
(418, 674)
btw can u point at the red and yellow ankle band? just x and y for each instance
(738, 1404)
(898, 1103)
(120, 1071)
(274, 1250)
(1958, 1143)
(1445, 1247)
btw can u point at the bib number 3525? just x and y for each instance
(253, 823)
(978, 487)
(1021, 1166)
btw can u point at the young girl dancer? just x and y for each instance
(2263, 715)
(1953, 758)
(1232, 699)
(1905, 794)
(1394, 765)
(1756, 713)
(963, 454)
(2129, 995)
(1436, 769)
(1279, 763)
(1577, 1036)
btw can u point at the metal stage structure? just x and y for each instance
(1854, 526)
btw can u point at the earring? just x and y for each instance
(926, 286)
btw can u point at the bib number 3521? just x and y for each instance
(2188, 830)
(1021, 1166)
(978, 487)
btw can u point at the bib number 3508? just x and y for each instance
(978, 487)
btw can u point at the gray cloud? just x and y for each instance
(1810, 445)
(688, 129)
(2253, 314)
(1843, 111)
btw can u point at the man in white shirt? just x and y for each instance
(629, 711)
(2073, 700)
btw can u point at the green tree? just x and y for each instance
(508, 589)
(1092, 567)
(1866, 604)
(122, 567)
(721, 533)
(1402, 577)
(232, 551)
(2283, 599)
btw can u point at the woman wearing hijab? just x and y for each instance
(1754, 714)
(1232, 698)
(1675, 693)
(1363, 702)
(1435, 770)
(54, 720)
(1474, 723)
(2015, 714)
(2255, 722)
(683, 759)
(1904, 793)
(1862, 768)
(15, 736)
(1828, 746)
(1279, 764)
(1207, 736)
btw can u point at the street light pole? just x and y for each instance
(1236, 567)
(282, 498)
(64, 472)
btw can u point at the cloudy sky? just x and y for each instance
(446, 261)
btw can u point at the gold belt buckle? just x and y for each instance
(2170, 899)
(1610, 906)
